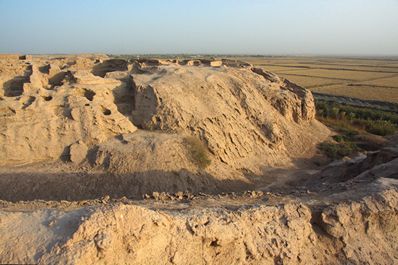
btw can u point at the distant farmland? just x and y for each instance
(371, 79)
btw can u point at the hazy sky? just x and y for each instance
(331, 27)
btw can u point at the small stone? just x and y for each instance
(102, 241)
(105, 199)
(180, 195)
(75, 114)
(216, 63)
(78, 152)
(156, 195)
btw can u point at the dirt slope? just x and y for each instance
(134, 117)
(83, 138)
(270, 229)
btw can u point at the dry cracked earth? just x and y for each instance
(113, 161)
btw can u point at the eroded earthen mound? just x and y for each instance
(74, 108)
(94, 133)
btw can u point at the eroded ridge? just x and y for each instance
(113, 161)
(247, 118)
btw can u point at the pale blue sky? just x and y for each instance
(282, 27)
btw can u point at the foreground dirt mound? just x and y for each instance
(350, 218)
(355, 232)
(293, 232)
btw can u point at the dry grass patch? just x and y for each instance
(364, 78)
(339, 74)
(362, 92)
(390, 82)
(198, 151)
(309, 82)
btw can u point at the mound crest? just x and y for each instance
(247, 117)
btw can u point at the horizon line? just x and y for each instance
(216, 54)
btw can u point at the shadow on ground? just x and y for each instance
(25, 186)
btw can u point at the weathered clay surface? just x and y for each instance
(41, 118)
(247, 118)
(350, 220)
(78, 152)
(95, 134)
(360, 232)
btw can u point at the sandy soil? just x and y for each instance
(96, 169)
